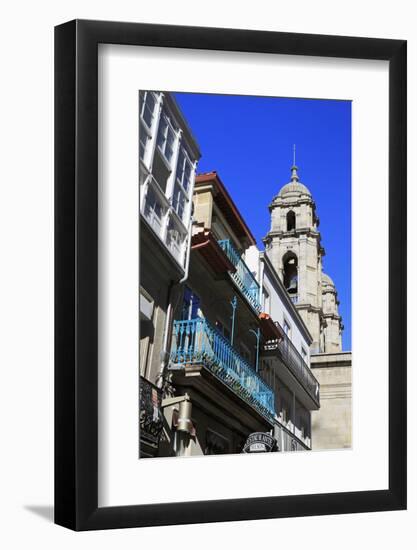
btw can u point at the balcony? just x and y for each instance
(164, 221)
(197, 342)
(288, 441)
(295, 363)
(150, 417)
(243, 277)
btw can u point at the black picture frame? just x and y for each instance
(76, 271)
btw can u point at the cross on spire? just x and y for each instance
(294, 168)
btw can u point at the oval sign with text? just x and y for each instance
(260, 442)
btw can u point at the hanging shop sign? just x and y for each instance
(260, 442)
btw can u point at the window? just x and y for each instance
(223, 330)
(245, 352)
(182, 186)
(166, 138)
(290, 220)
(184, 170)
(146, 305)
(190, 305)
(304, 355)
(266, 306)
(153, 210)
(287, 328)
(179, 200)
(147, 103)
(174, 239)
(143, 141)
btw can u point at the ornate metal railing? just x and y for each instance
(150, 418)
(197, 342)
(296, 364)
(288, 441)
(242, 276)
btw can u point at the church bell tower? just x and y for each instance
(293, 245)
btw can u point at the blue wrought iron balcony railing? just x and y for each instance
(197, 342)
(242, 276)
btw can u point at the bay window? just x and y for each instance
(153, 210)
(179, 200)
(143, 141)
(166, 138)
(147, 107)
(175, 238)
(184, 170)
(182, 185)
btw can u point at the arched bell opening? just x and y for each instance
(290, 220)
(290, 269)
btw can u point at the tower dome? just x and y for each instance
(294, 187)
(326, 280)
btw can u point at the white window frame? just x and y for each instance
(155, 189)
(266, 300)
(304, 354)
(169, 129)
(289, 332)
(176, 251)
(144, 98)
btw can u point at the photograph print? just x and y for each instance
(245, 274)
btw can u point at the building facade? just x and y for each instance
(233, 369)
(294, 247)
(213, 358)
(285, 362)
(168, 155)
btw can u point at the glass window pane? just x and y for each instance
(162, 133)
(169, 148)
(143, 140)
(148, 108)
(178, 201)
(187, 176)
(180, 166)
(174, 240)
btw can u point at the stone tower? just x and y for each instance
(294, 246)
(333, 327)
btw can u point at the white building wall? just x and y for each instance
(281, 313)
(275, 306)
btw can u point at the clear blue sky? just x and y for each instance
(249, 141)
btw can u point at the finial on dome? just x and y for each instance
(294, 167)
